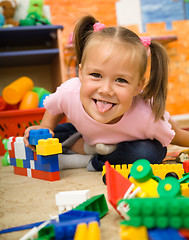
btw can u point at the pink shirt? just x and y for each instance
(136, 124)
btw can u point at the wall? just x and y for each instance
(66, 12)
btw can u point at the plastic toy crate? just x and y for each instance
(14, 123)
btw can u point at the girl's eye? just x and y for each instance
(121, 80)
(96, 75)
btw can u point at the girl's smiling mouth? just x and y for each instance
(103, 106)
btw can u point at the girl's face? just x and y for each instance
(109, 81)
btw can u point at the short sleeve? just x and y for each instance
(161, 130)
(52, 101)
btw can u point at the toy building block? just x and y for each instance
(184, 189)
(113, 181)
(186, 166)
(141, 176)
(90, 232)
(157, 212)
(70, 199)
(96, 204)
(28, 163)
(10, 147)
(185, 178)
(48, 146)
(184, 232)
(164, 234)
(36, 135)
(19, 147)
(169, 187)
(159, 170)
(133, 233)
(66, 227)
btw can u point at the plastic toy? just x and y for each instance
(87, 232)
(9, 7)
(70, 199)
(114, 180)
(164, 234)
(66, 227)
(28, 163)
(40, 92)
(95, 204)
(5, 160)
(133, 233)
(29, 101)
(36, 6)
(157, 212)
(186, 166)
(14, 92)
(36, 135)
(48, 146)
(159, 170)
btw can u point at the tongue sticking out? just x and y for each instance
(103, 106)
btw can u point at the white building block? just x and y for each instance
(29, 172)
(32, 164)
(70, 199)
(19, 146)
(9, 143)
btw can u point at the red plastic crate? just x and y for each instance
(14, 123)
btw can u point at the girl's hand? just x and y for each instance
(26, 135)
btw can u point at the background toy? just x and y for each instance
(70, 199)
(14, 92)
(29, 101)
(9, 7)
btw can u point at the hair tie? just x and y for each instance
(146, 41)
(98, 26)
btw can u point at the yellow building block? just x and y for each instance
(81, 232)
(148, 188)
(90, 232)
(133, 233)
(48, 146)
(185, 189)
(159, 170)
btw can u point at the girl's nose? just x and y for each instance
(106, 88)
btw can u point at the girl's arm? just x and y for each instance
(181, 136)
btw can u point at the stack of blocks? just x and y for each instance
(42, 164)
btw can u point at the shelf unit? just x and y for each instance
(33, 51)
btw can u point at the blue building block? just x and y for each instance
(77, 214)
(164, 234)
(26, 163)
(47, 163)
(29, 153)
(36, 135)
(13, 161)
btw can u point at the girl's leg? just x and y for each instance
(129, 152)
(72, 142)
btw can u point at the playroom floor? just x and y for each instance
(26, 200)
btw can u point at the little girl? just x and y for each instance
(115, 115)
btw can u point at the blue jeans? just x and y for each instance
(126, 152)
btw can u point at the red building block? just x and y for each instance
(20, 171)
(186, 166)
(117, 185)
(49, 176)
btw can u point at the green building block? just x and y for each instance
(157, 212)
(141, 170)
(169, 187)
(19, 163)
(46, 233)
(96, 204)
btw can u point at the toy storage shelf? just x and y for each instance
(33, 51)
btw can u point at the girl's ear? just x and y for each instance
(80, 71)
(139, 86)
